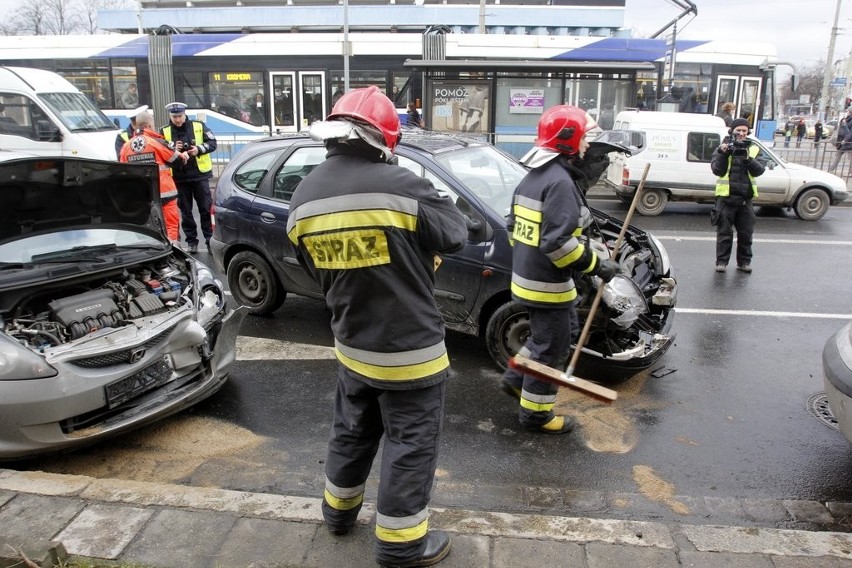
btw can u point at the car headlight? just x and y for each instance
(211, 302)
(665, 265)
(19, 363)
(622, 295)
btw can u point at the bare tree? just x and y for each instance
(58, 17)
(810, 83)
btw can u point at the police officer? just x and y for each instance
(148, 147)
(122, 137)
(193, 178)
(545, 225)
(735, 164)
(368, 231)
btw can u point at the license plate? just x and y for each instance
(145, 380)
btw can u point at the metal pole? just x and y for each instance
(345, 46)
(829, 65)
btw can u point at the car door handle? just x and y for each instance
(267, 217)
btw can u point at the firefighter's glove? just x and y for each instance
(607, 269)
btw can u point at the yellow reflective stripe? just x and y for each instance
(592, 264)
(527, 213)
(402, 535)
(571, 257)
(546, 297)
(577, 232)
(396, 373)
(537, 406)
(343, 504)
(345, 250)
(353, 220)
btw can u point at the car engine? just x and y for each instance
(54, 317)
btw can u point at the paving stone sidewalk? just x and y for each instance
(51, 516)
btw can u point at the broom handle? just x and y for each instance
(584, 336)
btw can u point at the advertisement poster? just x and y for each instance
(460, 106)
(526, 101)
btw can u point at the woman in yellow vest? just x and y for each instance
(735, 164)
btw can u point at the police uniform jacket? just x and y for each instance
(206, 145)
(545, 226)
(368, 231)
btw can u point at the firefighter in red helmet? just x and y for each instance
(368, 230)
(545, 226)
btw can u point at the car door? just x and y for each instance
(774, 185)
(272, 208)
(459, 276)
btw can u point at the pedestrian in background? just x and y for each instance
(122, 137)
(801, 130)
(735, 164)
(414, 118)
(817, 133)
(192, 177)
(545, 225)
(130, 97)
(148, 147)
(389, 334)
(726, 113)
(844, 140)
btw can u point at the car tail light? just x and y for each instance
(625, 176)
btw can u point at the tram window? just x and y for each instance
(125, 84)
(234, 94)
(359, 80)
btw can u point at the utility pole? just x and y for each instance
(829, 65)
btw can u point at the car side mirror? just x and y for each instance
(47, 132)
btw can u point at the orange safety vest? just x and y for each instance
(149, 147)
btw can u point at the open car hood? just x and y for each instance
(48, 194)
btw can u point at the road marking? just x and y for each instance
(757, 240)
(811, 315)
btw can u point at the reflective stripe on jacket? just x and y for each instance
(203, 159)
(150, 148)
(723, 184)
(368, 232)
(545, 226)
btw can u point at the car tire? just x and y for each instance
(812, 204)
(506, 332)
(253, 283)
(652, 202)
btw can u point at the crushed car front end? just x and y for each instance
(105, 326)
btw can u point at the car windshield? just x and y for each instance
(76, 112)
(488, 173)
(70, 244)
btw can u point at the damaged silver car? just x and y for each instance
(105, 326)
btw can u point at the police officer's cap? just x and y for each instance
(176, 108)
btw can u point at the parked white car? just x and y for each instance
(679, 148)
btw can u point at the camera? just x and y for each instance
(737, 147)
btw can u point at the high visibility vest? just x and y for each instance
(723, 184)
(203, 161)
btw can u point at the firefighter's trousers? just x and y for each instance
(410, 421)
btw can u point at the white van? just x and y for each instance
(679, 147)
(42, 114)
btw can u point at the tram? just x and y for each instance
(481, 84)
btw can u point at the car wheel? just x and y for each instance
(811, 205)
(507, 330)
(253, 283)
(652, 202)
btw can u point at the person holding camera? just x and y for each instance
(193, 178)
(734, 161)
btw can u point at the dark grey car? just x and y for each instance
(631, 331)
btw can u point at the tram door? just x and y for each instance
(298, 99)
(742, 91)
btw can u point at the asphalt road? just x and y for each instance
(723, 415)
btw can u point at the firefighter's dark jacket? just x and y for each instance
(368, 232)
(545, 227)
